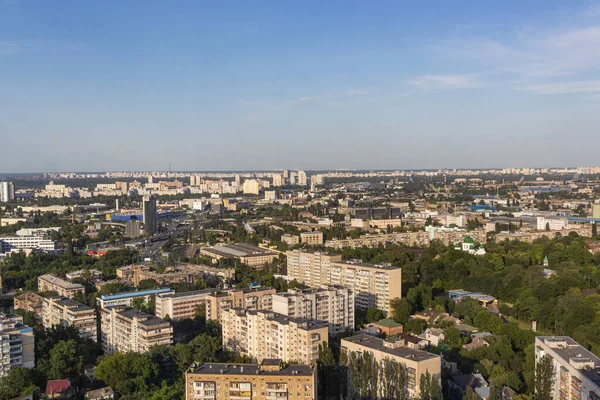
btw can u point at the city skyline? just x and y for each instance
(112, 87)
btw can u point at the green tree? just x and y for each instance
(401, 310)
(18, 381)
(65, 360)
(544, 378)
(130, 374)
(470, 394)
(374, 314)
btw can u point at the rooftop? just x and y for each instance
(248, 369)
(387, 323)
(125, 295)
(64, 284)
(574, 354)
(378, 344)
(350, 263)
(237, 250)
(70, 304)
(185, 294)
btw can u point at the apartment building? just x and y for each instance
(126, 329)
(576, 370)
(126, 298)
(52, 283)
(16, 342)
(416, 362)
(26, 242)
(188, 273)
(312, 238)
(62, 311)
(290, 239)
(264, 334)
(373, 285)
(181, 305)
(333, 305)
(553, 224)
(270, 380)
(250, 299)
(29, 301)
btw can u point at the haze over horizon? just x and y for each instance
(122, 86)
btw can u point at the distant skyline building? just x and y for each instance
(7, 192)
(149, 214)
(302, 178)
(278, 180)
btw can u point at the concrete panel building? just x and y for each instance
(333, 305)
(62, 311)
(127, 329)
(312, 238)
(265, 334)
(576, 369)
(250, 299)
(181, 305)
(271, 380)
(126, 298)
(416, 362)
(17, 343)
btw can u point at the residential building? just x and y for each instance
(333, 305)
(10, 243)
(255, 257)
(373, 285)
(416, 362)
(180, 273)
(270, 380)
(552, 224)
(17, 343)
(126, 298)
(29, 301)
(291, 240)
(302, 178)
(52, 283)
(388, 326)
(278, 180)
(7, 221)
(7, 192)
(133, 228)
(250, 299)
(576, 369)
(100, 394)
(312, 238)
(181, 305)
(59, 389)
(91, 274)
(264, 334)
(251, 186)
(270, 195)
(127, 329)
(62, 311)
(435, 336)
(149, 214)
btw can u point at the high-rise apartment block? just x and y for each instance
(264, 334)
(416, 362)
(373, 285)
(576, 369)
(62, 311)
(181, 305)
(302, 178)
(16, 342)
(334, 306)
(127, 329)
(149, 214)
(270, 380)
(52, 283)
(7, 192)
(278, 180)
(250, 299)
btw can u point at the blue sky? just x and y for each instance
(134, 85)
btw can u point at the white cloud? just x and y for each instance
(356, 92)
(437, 82)
(307, 99)
(590, 86)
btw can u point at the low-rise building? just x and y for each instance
(17, 343)
(265, 334)
(255, 257)
(10, 243)
(127, 329)
(126, 298)
(312, 238)
(333, 305)
(291, 240)
(29, 301)
(100, 394)
(62, 311)
(250, 299)
(182, 305)
(270, 380)
(91, 274)
(416, 362)
(52, 283)
(388, 326)
(181, 273)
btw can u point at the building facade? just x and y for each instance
(62, 311)
(416, 362)
(149, 214)
(17, 343)
(250, 299)
(52, 283)
(126, 298)
(29, 301)
(312, 238)
(7, 192)
(576, 370)
(126, 329)
(181, 305)
(264, 334)
(334, 306)
(270, 380)
(373, 285)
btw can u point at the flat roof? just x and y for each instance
(188, 293)
(125, 295)
(70, 304)
(378, 344)
(388, 323)
(237, 250)
(352, 263)
(574, 350)
(62, 283)
(248, 369)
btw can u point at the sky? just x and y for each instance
(118, 85)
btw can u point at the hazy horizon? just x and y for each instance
(132, 86)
